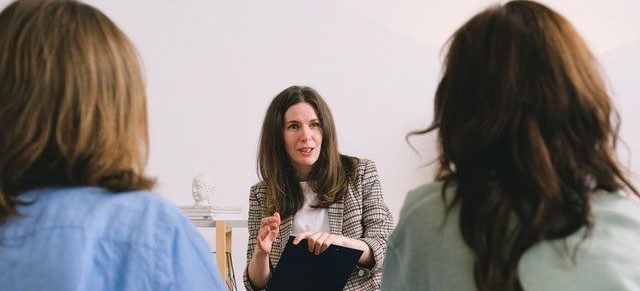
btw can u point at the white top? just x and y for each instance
(309, 218)
(425, 254)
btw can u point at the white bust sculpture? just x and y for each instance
(202, 190)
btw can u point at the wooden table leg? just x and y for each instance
(221, 248)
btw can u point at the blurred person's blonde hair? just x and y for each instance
(72, 102)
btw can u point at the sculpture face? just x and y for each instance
(202, 190)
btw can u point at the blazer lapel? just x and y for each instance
(335, 216)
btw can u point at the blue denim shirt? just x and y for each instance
(87, 238)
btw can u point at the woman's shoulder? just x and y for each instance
(138, 206)
(425, 199)
(422, 223)
(258, 190)
(260, 186)
(144, 218)
(424, 210)
(362, 163)
(362, 166)
(427, 191)
(91, 201)
(609, 251)
(620, 202)
(135, 216)
(616, 214)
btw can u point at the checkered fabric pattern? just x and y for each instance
(361, 214)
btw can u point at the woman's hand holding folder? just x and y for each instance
(318, 242)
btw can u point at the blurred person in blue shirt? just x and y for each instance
(76, 211)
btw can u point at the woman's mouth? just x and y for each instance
(305, 151)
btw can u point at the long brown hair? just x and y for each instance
(330, 174)
(526, 132)
(72, 102)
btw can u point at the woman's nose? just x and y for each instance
(305, 133)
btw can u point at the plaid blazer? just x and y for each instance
(361, 213)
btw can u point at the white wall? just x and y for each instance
(213, 66)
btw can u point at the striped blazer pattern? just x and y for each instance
(361, 213)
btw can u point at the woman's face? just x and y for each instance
(302, 137)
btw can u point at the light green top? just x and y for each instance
(424, 256)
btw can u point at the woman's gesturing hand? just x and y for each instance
(269, 228)
(318, 242)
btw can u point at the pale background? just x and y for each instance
(212, 68)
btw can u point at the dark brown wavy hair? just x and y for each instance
(526, 132)
(72, 102)
(330, 175)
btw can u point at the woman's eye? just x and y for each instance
(293, 126)
(313, 125)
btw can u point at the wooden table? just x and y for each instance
(224, 242)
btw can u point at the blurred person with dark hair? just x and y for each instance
(529, 194)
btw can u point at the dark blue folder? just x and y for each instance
(298, 269)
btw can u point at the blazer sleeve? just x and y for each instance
(376, 217)
(256, 213)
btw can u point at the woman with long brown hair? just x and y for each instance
(310, 190)
(76, 212)
(529, 194)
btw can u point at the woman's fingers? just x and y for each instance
(262, 233)
(269, 228)
(272, 223)
(319, 240)
(300, 236)
(268, 220)
(311, 241)
(276, 215)
(325, 241)
(273, 219)
(273, 232)
(263, 243)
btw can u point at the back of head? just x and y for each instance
(72, 101)
(525, 131)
